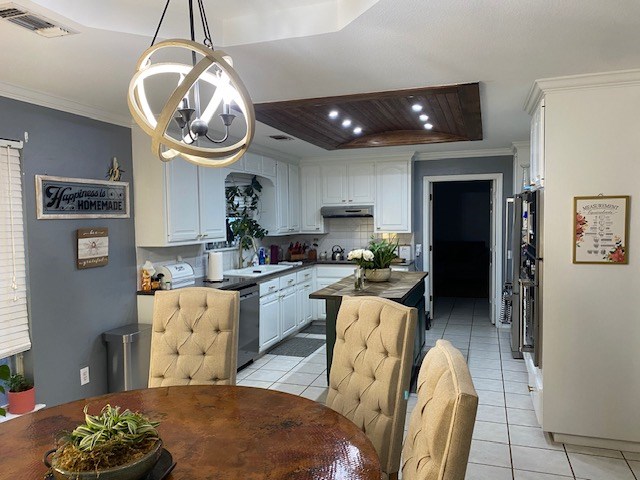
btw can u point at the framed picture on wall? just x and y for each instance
(601, 226)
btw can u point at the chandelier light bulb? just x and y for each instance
(416, 107)
(424, 117)
(428, 126)
(346, 123)
(333, 114)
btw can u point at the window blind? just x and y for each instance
(14, 321)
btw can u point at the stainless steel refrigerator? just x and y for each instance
(526, 325)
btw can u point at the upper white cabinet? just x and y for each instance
(311, 199)
(176, 202)
(537, 146)
(344, 184)
(392, 212)
(287, 198)
(256, 164)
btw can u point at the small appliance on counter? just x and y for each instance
(337, 253)
(179, 274)
(214, 267)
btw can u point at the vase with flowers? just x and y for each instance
(363, 259)
(376, 259)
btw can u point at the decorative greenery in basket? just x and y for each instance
(104, 441)
(380, 254)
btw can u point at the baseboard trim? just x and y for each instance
(597, 442)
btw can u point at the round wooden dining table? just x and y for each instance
(213, 432)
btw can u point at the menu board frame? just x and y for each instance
(609, 238)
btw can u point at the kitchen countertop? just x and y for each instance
(236, 283)
(397, 288)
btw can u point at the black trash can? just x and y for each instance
(128, 353)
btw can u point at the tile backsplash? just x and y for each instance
(349, 233)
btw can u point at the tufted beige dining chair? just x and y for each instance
(441, 425)
(371, 369)
(194, 340)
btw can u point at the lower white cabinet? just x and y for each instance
(328, 275)
(305, 310)
(269, 321)
(288, 311)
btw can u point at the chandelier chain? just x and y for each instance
(155, 35)
(208, 41)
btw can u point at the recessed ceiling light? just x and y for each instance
(333, 114)
(346, 123)
(424, 117)
(428, 126)
(416, 107)
(357, 130)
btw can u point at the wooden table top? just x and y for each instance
(213, 432)
(397, 288)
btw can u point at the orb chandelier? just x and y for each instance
(210, 69)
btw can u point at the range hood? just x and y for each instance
(347, 211)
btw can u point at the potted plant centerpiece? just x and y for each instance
(21, 394)
(113, 445)
(376, 259)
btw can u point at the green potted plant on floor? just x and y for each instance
(113, 445)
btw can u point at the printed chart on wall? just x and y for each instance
(601, 227)
(93, 247)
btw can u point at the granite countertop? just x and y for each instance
(397, 288)
(236, 283)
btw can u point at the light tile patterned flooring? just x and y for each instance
(507, 442)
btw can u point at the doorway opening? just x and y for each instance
(461, 239)
(463, 242)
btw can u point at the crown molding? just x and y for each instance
(35, 97)
(357, 156)
(273, 153)
(574, 82)
(490, 152)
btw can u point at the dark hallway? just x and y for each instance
(461, 238)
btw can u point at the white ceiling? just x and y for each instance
(306, 48)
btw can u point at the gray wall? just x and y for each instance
(70, 308)
(460, 166)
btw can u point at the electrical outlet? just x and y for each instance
(84, 376)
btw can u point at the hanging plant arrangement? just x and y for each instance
(242, 207)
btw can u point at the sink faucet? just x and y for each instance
(240, 256)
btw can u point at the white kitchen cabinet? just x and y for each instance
(536, 164)
(287, 198)
(269, 167)
(183, 211)
(311, 200)
(253, 163)
(328, 275)
(213, 215)
(392, 212)
(177, 202)
(345, 184)
(288, 311)
(294, 198)
(269, 321)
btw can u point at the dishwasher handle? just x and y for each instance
(248, 295)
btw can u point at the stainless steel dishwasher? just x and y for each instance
(249, 327)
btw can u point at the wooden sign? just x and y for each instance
(601, 225)
(60, 197)
(93, 247)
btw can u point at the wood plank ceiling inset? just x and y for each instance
(386, 118)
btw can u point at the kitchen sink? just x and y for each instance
(257, 271)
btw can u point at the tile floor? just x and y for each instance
(507, 441)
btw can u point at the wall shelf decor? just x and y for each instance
(93, 247)
(66, 198)
(601, 226)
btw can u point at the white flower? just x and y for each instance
(355, 254)
(367, 255)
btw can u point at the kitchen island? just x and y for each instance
(406, 288)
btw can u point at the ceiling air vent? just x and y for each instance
(281, 138)
(31, 21)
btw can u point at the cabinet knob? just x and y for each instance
(343, 201)
(317, 228)
(204, 235)
(378, 228)
(350, 200)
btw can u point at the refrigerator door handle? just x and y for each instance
(524, 285)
